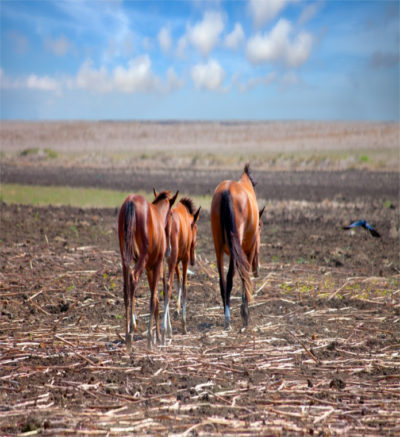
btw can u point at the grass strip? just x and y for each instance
(77, 197)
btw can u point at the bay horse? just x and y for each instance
(236, 227)
(182, 241)
(142, 233)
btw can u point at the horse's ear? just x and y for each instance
(196, 215)
(172, 201)
(155, 192)
(261, 212)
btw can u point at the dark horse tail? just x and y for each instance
(230, 235)
(129, 218)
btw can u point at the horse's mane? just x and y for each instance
(250, 176)
(188, 203)
(161, 196)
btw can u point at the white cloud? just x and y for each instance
(269, 47)
(263, 11)
(33, 82)
(43, 83)
(108, 23)
(89, 78)
(256, 81)
(165, 40)
(204, 35)
(59, 46)
(137, 77)
(209, 76)
(299, 51)
(309, 12)
(173, 81)
(276, 46)
(235, 38)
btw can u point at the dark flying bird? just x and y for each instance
(364, 225)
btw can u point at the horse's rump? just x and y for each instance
(230, 237)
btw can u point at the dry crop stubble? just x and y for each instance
(321, 354)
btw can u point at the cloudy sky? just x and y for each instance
(255, 59)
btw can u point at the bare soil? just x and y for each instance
(316, 186)
(321, 355)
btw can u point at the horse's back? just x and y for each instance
(180, 230)
(245, 208)
(140, 206)
(134, 213)
(216, 201)
(156, 235)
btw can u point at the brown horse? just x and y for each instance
(142, 232)
(182, 239)
(236, 227)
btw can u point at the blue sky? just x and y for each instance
(212, 60)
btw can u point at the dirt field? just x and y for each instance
(321, 355)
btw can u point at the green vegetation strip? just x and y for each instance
(78, 197)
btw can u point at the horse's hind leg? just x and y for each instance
(229, 283)
(252, 258)
(222, 284)
(166, 324)
(133, 285)
(152, 303)
(184, 292)
(244, 308)
(128, 305)
(156, 277)
(134, 280)
(179, 286)
(153, 278)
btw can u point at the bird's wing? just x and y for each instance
(373, 231)
(355, 224)
(365, 225)
(369, 227)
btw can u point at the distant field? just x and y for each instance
(268, 145)
(78, 197)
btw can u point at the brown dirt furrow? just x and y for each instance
(278, 185)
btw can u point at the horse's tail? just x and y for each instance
(128, 221)
(230, 235)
